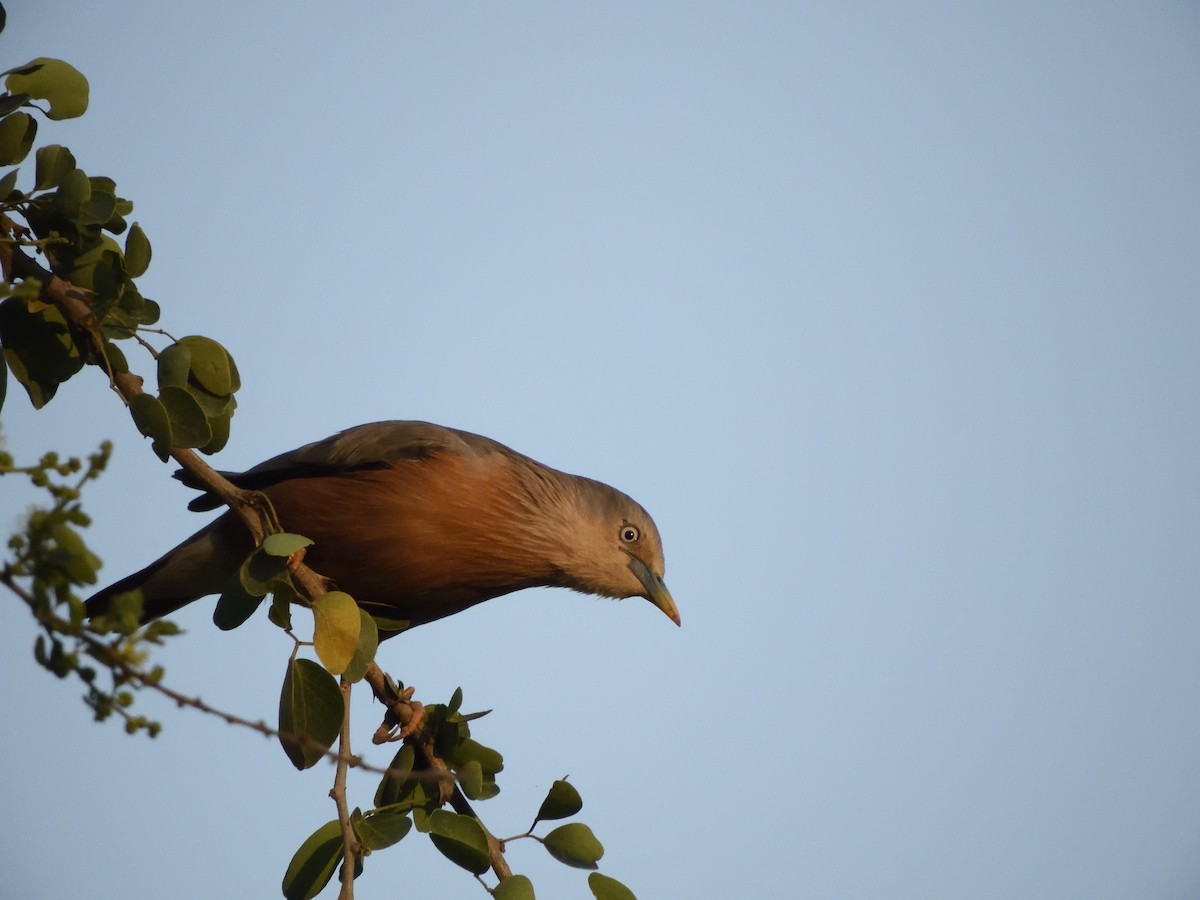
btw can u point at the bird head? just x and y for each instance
(615, 549)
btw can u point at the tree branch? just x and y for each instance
(338, 793)
(72, 303)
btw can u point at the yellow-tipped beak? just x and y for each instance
(656, 590)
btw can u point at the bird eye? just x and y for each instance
(629, 534)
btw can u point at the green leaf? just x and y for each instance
(310, 706)
(12, 102)
(152, 420)
(280, 612)
(137, 251)
(460, 839)
(189, 425)
(53, 164)
(37, 347)
(393, 787)
(74, 190)
(313, 864)
(58, 83)
(605, 888)
(8, 184)
(394, 626)
(382, 828)
(284, 544)
(470, 779)
(17, 131)
(336, 624)
(211, 364)
(116, 357)
(260, 570)
(364, 652)
(514, 887)
(562, 801)
(214, 406)
(235, 605)
(574, 845)
(174, 363)
(455, 700)
(490, 760)
(219, 425)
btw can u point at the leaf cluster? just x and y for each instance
(408, 797)
(48, 562)
(70, 219)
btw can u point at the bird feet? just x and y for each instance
(404, 718)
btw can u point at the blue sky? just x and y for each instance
(888, 313)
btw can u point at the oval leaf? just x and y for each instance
(174, 363)
(310, 712)
(235, 605)
(364, 652)
(337, 624)
(460, 839)
(470, 779)
(137, 252)
(562, 801)
(210, 364)
(58, 83)
(219, 425)
(189, 424)
(382, 829)
(152, 420)
(260, 570)
(605, 888)
(53, 163)
(313, 864)
(514, 887)
(284, 544)
(574, 845)
(17, 131)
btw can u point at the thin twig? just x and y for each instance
(338, 793)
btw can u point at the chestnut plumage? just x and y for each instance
(418, 522)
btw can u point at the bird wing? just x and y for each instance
(373, 446)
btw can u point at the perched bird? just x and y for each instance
(418, 522)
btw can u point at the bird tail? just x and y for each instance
(199, 566)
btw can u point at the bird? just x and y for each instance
(417, 522)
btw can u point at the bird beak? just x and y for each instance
(656, 591)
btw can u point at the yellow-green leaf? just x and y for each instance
(337, 624)
(284, 544)
(58, 83)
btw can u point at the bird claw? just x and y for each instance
(392, 729)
